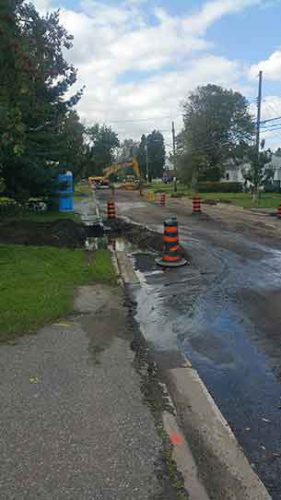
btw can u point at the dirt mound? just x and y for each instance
(60, 233)
(140, 236)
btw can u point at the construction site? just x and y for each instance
(201, 294)
(140, 250)
(217, 318)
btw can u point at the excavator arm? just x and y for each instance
(113, 169)
(129, 184)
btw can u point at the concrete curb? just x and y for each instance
(223, 466)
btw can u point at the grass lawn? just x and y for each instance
(245, 200)
(168, 188)
(37, 285)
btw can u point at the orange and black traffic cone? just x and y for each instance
(162, 200)
(196, 205)
(172, 253)
(279, 211)
(111, 215)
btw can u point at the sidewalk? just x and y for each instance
(73, 421)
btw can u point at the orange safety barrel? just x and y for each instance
(111, 215)
(279, 211)
(162, 200)
(172, 256)
(196, 205)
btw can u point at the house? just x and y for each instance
(234, 173)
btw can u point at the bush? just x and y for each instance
(273, 187)
(177, 195)
(219, 187)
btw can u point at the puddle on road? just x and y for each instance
(118, 244)
(92, 244)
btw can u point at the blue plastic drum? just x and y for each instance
(65, 192)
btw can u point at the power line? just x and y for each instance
(271, 119)
(271, 130)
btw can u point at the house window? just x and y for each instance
(227, 176)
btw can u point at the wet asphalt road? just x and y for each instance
(224, 312)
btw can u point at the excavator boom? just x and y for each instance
(113, 169)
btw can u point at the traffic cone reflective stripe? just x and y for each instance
(171, 229)
(170, 239)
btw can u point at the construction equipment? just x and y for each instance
(98, 182)
(130, 183)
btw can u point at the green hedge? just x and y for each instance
(219, 187)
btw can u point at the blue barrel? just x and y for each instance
(65, 192)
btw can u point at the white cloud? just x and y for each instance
(214, 10)
(271, 67)
(135, 68)
(43, 5)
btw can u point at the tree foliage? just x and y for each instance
(128, 149)
(35, 79)
(217, 126)
(259, 172)
(141, 155)
(156, 154)
(103, 142)
(151, 155)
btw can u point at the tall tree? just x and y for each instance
(72, 145)
(103, 142)
(36, 80)
(156, 153)
(128, 150)
(141, 155)
(217, 126)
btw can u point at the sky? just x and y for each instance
(139, 59)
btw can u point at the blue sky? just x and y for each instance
(140, 58)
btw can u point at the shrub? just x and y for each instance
(273, 187)
(177, 195)
(219, 187)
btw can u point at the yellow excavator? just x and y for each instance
(130, 183)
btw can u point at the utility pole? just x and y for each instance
(174, 138)
(259, 114)
(146, 161)
(258, 129)
(174, 156)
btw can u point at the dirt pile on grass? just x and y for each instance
(60, 233)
